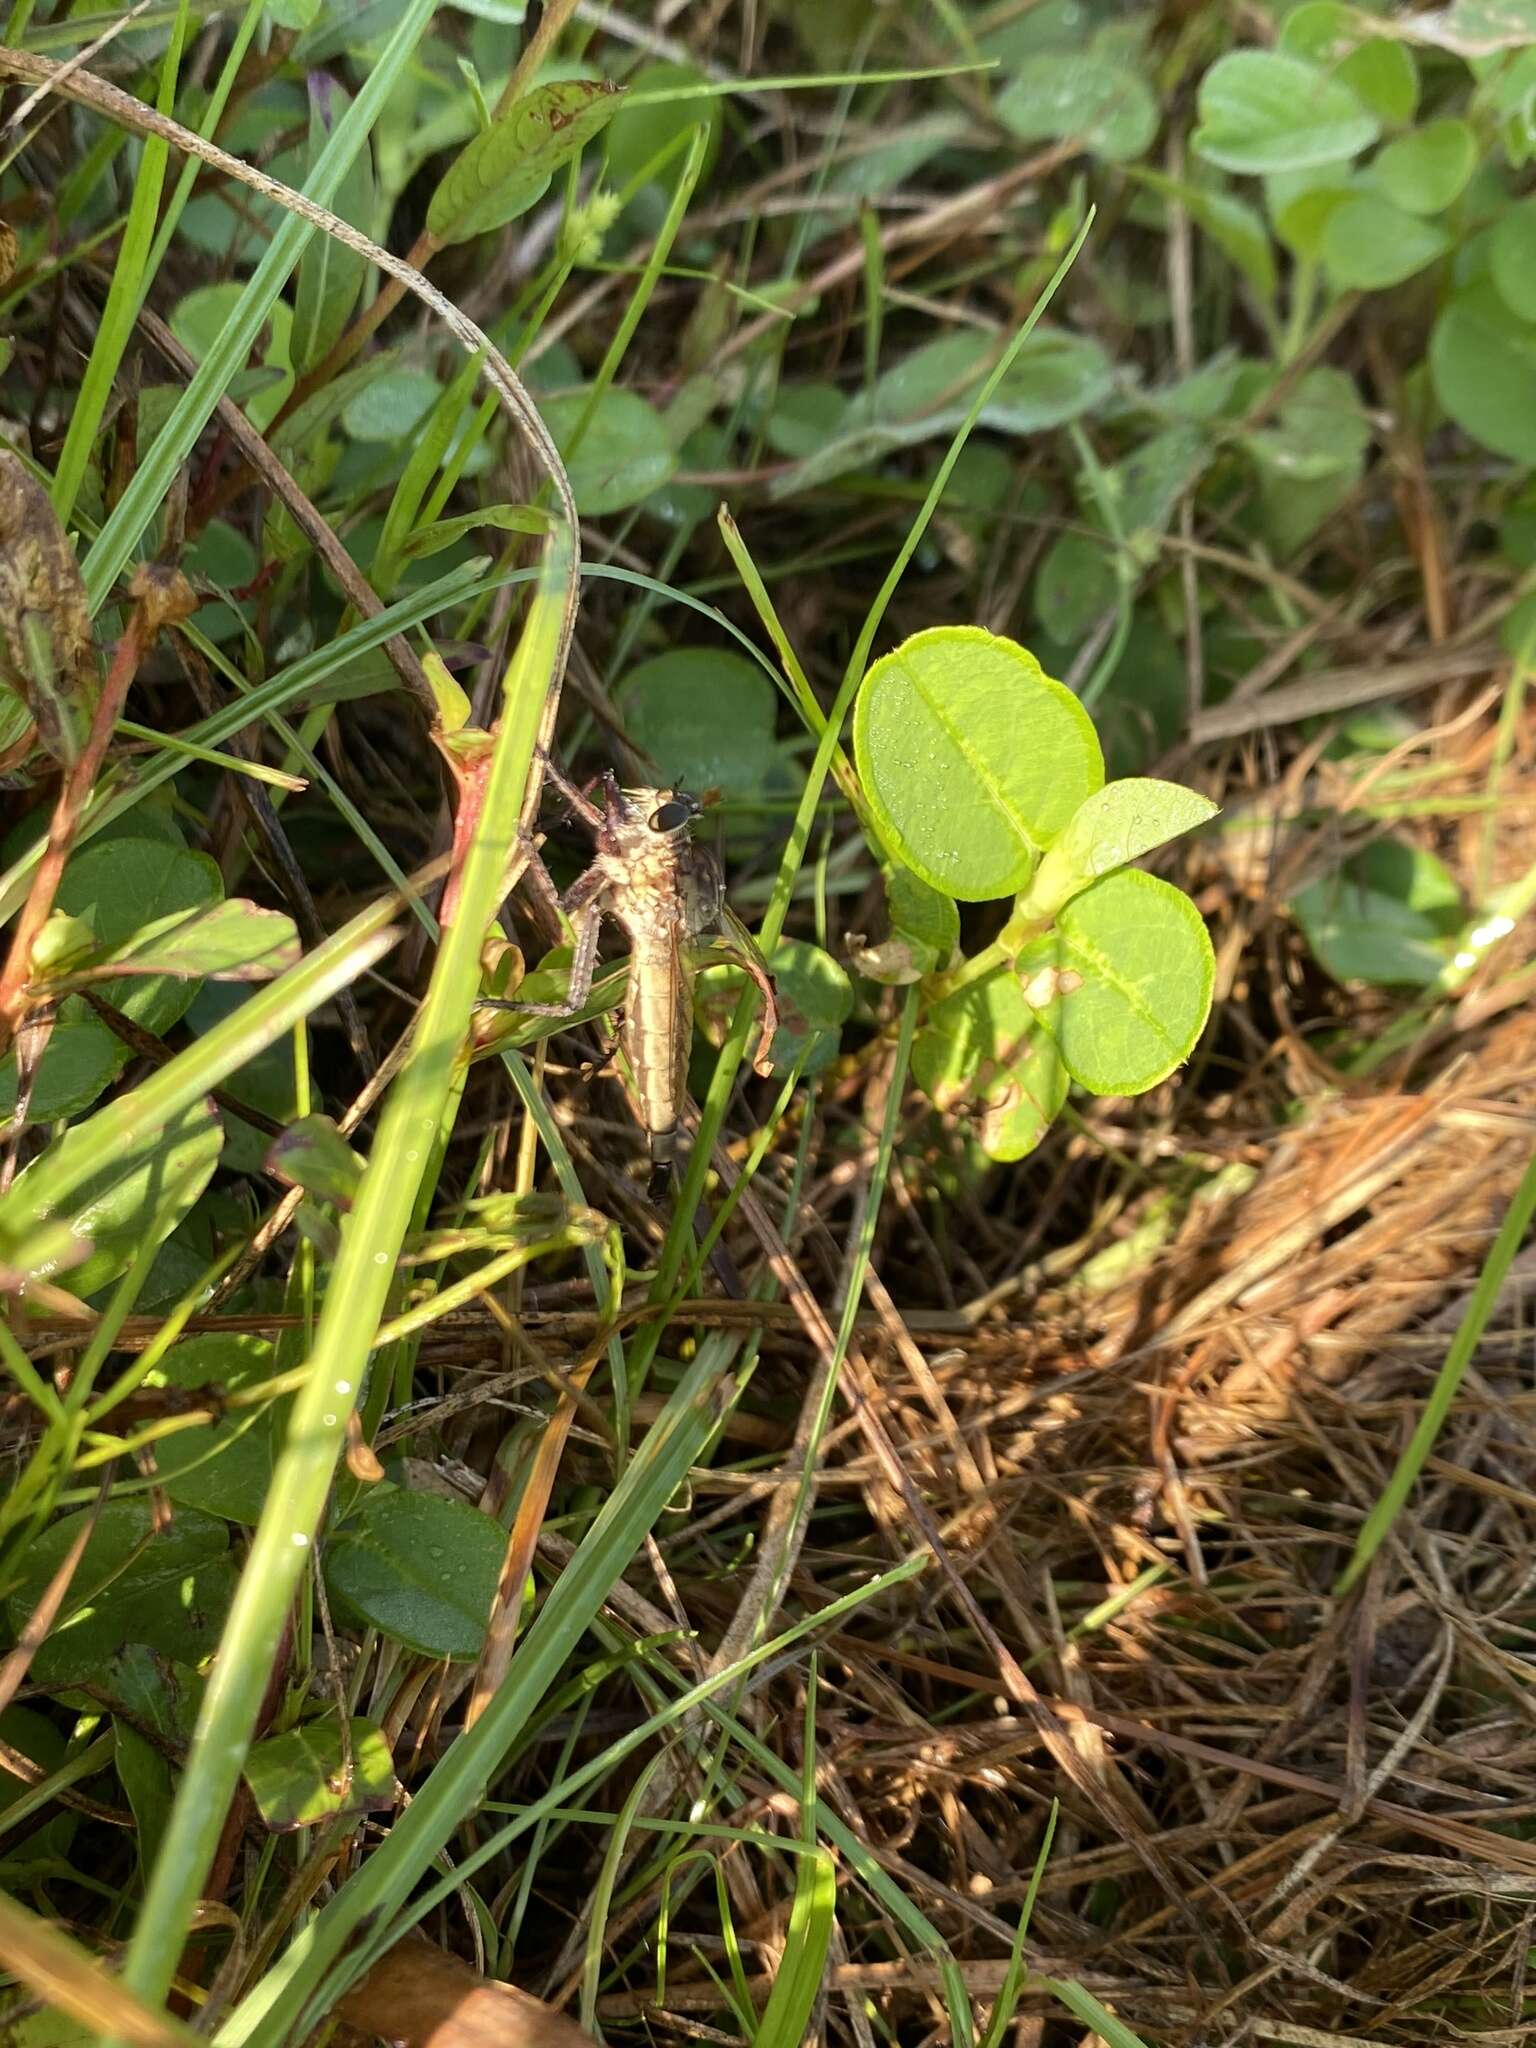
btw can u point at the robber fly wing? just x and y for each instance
(703, 886)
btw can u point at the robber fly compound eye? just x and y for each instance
(673, 814)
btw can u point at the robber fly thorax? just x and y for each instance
(665, 893)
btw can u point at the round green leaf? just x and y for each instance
(1301, 204)
(1368, 244)
(972, 757)
(1081, 93)
(624, 453)
(309, 1775)
(390, 407)
(705, 717)
(981, 1053)
(1339, 39)
(1074, 586)
(1427, 170)
(1483, 362)
(1123, 984)
(420, 1569)
(121, 885)
(226, 1468)
(82, 1058)
(167, 1588)
(1512, 253)
(1390, 916)
(1262, 111)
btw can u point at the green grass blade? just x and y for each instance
(131, 516)
(1463, 1349)
(354, 1304)
(125, 294)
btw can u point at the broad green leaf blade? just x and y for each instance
(1482, 357)
(1087, 93)
(313, 1155)
(421, 1570)
(1379, 70)
(224, 1468)
(331, 276)
(705, 717)
(166, 1588)
(146, 1777)
(972, 758)
(982, 1055)
(1368, 244)
(132, 1199)
(1124, 982)
(1512, 253)
(508, 167)
(309, 1775)
(119, 885)
(623, 452)
(47, 657)
(1263, 111)
(1390, 916)
(1427, 170)
(1113, 827)
(81, 1060)
(231, 941)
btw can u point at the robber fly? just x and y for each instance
(665, 892)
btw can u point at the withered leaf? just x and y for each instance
(8, 252)
(47, 655)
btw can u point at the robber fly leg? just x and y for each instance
(586, 917)
(578, 799)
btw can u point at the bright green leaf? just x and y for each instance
(1368, 244)
(1123, 983)
(973, 758)
(309, 1775)
(1113, 827)
(420, 1569)
(1427, 170)
(507, 168)
(1261, 111)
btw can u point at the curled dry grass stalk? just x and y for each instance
(1134, 1402)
